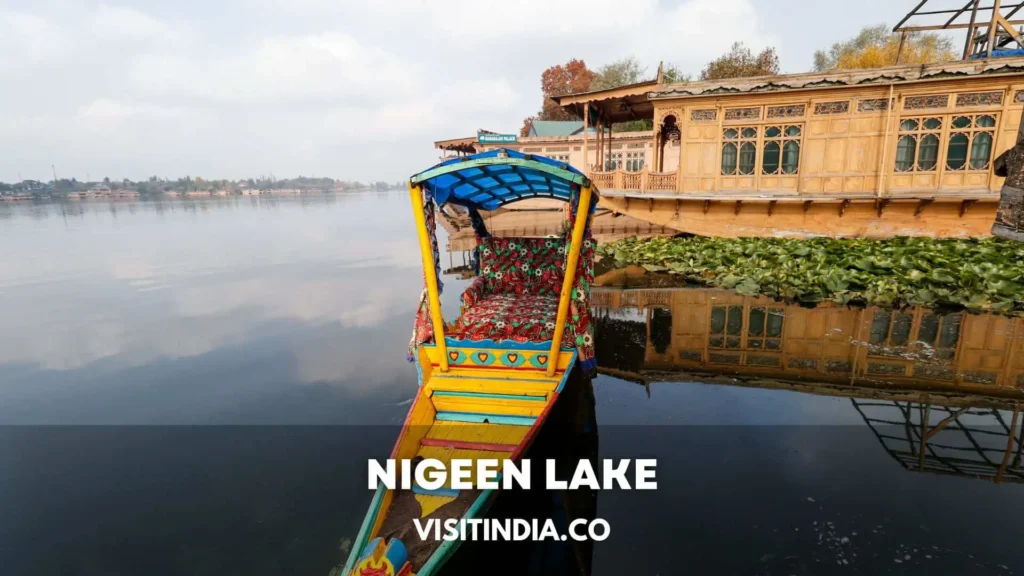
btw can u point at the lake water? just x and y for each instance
(193, 387)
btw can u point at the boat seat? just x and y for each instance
(515, 296)
(502, 317)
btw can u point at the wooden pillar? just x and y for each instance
(586, 129)
(608, 138)
(992, 27)
(575, 247)
(427, 254)
(970, 30)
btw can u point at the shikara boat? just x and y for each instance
(488, 380)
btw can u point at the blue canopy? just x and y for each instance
(488, 180)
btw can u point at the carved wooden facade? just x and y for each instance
(849, 142)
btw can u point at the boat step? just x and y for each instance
(483, 403)
(485, 418)
(479, 433)
(505, 386)
(465, 445)
(484, 372)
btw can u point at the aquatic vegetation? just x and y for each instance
(980, 274)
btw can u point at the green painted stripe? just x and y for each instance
(364, 531)
(489, 395)
(492, 161)
(479, 417)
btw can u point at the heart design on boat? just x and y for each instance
(483, 357)
(512, 357)
(542, 359)
(453, 356)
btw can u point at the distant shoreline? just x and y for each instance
(133, 195)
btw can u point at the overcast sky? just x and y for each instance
(351, 90)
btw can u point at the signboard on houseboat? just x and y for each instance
(497, 138)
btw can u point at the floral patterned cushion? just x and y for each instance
(501, 265)
(522, 265)
(516, 317)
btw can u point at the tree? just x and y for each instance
(571, 78)
(619, 73)
(877, 46)
(527, 124)
(672, 74)
(740, 62)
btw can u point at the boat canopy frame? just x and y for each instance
(492, 179)
(487, 181)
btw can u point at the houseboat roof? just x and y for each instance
(620, 104)
(839, 78)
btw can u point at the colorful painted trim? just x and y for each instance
(445, 492)
(490, 395)
(364, 531)
(480, 418)
(462, 445)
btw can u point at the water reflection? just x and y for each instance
(664, 328)
(941, 390)
(111, 308)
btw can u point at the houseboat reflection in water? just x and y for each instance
(941, 389)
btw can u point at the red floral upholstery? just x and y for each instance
(515, 297)
(516, 317)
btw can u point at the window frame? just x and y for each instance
(782, 139)
(761, 124)
(945, 133)
(971, 131)
(917, 134)
(613, 161)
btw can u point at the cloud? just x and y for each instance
(27, 41)
(118, 23)
(350, 90)
(283, 70)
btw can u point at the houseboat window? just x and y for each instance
(928, 155)
(889, 329)
(739, 151)
(781, 150)
(981, 149)
(941, 333)
(748, 157)
(726, 324)
(905, 151)
(613, 162)
(970, 142)
(634, 161)
(918, 146)
(956, 153)
(764, 328)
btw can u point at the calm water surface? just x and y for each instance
(193, 387)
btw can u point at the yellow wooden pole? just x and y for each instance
(433, 300)
(582, 215)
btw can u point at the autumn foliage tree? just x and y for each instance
(572, 77)
(877, 46)
(740, 62)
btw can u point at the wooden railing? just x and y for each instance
(603, 180)
(640, 181)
